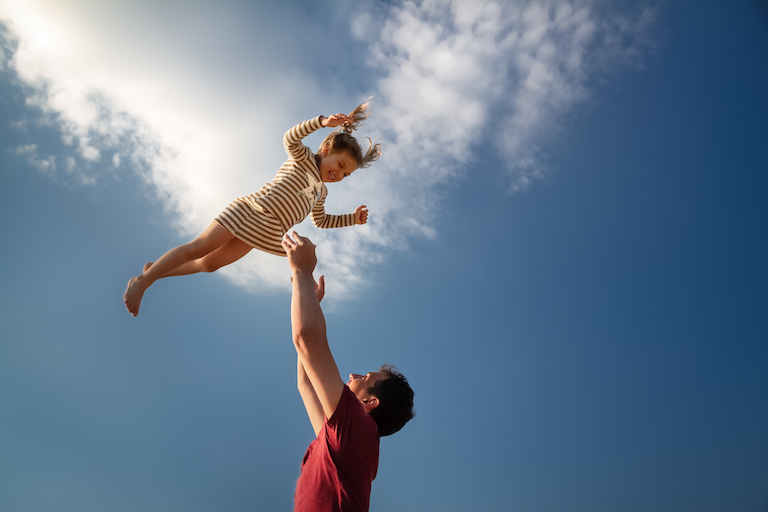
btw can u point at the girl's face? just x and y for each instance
(336, 165)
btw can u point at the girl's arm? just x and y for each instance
(325, 220)
(293, 137)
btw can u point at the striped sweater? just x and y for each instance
(297, 190)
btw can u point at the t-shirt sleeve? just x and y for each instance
(349, 412)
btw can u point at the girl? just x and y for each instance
(260, 220)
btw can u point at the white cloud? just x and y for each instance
(167, 95)
(452, 75)
(134, 85)
(44, 165)
(458, 72)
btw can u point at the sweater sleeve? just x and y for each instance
(292, 138)
(324, 220)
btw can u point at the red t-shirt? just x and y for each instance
(341, 463)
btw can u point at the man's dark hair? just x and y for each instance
(395, 396)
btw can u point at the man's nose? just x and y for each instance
(353, 376)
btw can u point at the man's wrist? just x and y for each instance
(302, 272)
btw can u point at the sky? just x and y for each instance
(565, 252)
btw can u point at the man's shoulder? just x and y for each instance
(350, 413)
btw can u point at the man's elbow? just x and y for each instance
(300, 342)
(308, 341)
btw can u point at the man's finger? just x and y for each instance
(303, 239)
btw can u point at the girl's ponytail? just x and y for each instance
(358, 115)
(373, 153)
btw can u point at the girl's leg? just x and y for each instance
(211, 239)
(213, 261)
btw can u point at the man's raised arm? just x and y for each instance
(306, 390)
(308, 325)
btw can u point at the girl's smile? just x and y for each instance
(336, 166)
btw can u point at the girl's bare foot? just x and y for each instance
(147, 265)
(133, 294)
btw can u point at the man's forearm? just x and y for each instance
(308, 324)
(302, 379)
(307, 319)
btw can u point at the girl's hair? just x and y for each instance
(341, 139)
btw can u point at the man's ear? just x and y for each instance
(370, 404)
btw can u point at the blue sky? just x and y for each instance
(565, 252)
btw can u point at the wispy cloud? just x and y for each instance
(451, 76)
(454, 74)
(447, 77)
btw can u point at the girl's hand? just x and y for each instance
(336, 120)
(361, 214)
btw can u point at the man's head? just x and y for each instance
(386, 396)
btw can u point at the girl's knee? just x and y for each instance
(208, 266)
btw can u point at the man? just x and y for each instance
(348, 419)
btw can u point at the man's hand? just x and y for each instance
(320, 288)
(300, 251)
(361, 214)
